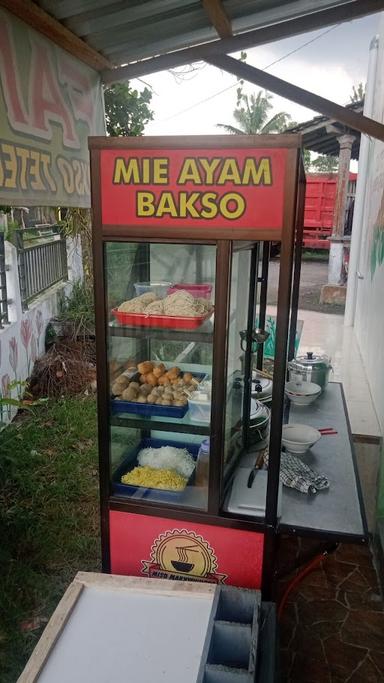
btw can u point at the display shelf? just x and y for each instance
(203, 334)
(171, 424)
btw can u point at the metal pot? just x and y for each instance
(259, 422)
(312, 368)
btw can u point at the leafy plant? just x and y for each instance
(76, 311)
(251, 115)
(325, 164)
(126, 110)
(24, 401)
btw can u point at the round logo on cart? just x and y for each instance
(183, 555)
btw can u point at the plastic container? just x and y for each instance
(158, 288)
(131, 461)
(169, 322)
(198, 291)
(199, 411)
(202, 465)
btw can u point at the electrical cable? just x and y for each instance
(229, 87)
(298, 578)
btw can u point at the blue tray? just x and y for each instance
(148, 409)
(131, 461)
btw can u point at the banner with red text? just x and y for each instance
(50, 103)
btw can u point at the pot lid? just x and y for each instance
(263, 382)
(258, 411)
(311, 359)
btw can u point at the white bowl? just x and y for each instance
(302, 394)
(299, 438)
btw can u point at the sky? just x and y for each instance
(328, 62)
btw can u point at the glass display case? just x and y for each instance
(180, 253)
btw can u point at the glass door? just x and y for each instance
(160, 350)
(246, 417)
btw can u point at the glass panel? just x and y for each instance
(238, 317)
(160, 333)
(245, 490)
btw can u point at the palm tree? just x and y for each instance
(251, 114)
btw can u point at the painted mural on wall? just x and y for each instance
(377, 246)
(20, 346)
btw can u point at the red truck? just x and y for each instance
(319, 207)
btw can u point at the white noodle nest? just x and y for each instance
(180, 303)
(168, 458)
(138, 304)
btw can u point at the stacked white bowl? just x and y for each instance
(302, 393)
(299, 438)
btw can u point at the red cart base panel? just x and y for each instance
(172, 549)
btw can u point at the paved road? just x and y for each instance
(313, 275)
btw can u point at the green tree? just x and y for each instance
(251, 115)
(126, 111)
(324, 164)
(358, 93)
(307, 160)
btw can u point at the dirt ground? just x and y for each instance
(314, 274)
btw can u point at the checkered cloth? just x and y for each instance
(297, 475)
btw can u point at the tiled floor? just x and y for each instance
(325, 333)
(332, 628)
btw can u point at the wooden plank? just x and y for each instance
(218, 17)
(289, 140)
(112, 624)
(42, 22)
(308, 99)
(164, 587)
(243, 41)
(51, 633)
(110, 582)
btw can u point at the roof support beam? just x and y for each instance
(218, 17)
(351, 9)
(35, 17)
(291, 92)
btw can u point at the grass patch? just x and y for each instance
(49, 517)
(315, 255)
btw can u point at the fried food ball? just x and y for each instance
(151, 379)
(129, 394)
(141, 399)
(145, 389)
(187, 377)
(117, 388)
(164, 380)
(159, 370)
(145, 367)
(173, 373)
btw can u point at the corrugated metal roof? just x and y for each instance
(130, 30)
(320, 133)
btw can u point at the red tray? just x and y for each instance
(171, 322)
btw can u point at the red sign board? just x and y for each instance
(167, 548)
(217, 188)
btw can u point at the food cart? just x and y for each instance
(182, 228)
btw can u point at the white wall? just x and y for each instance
(369, 319)
(22, 341)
